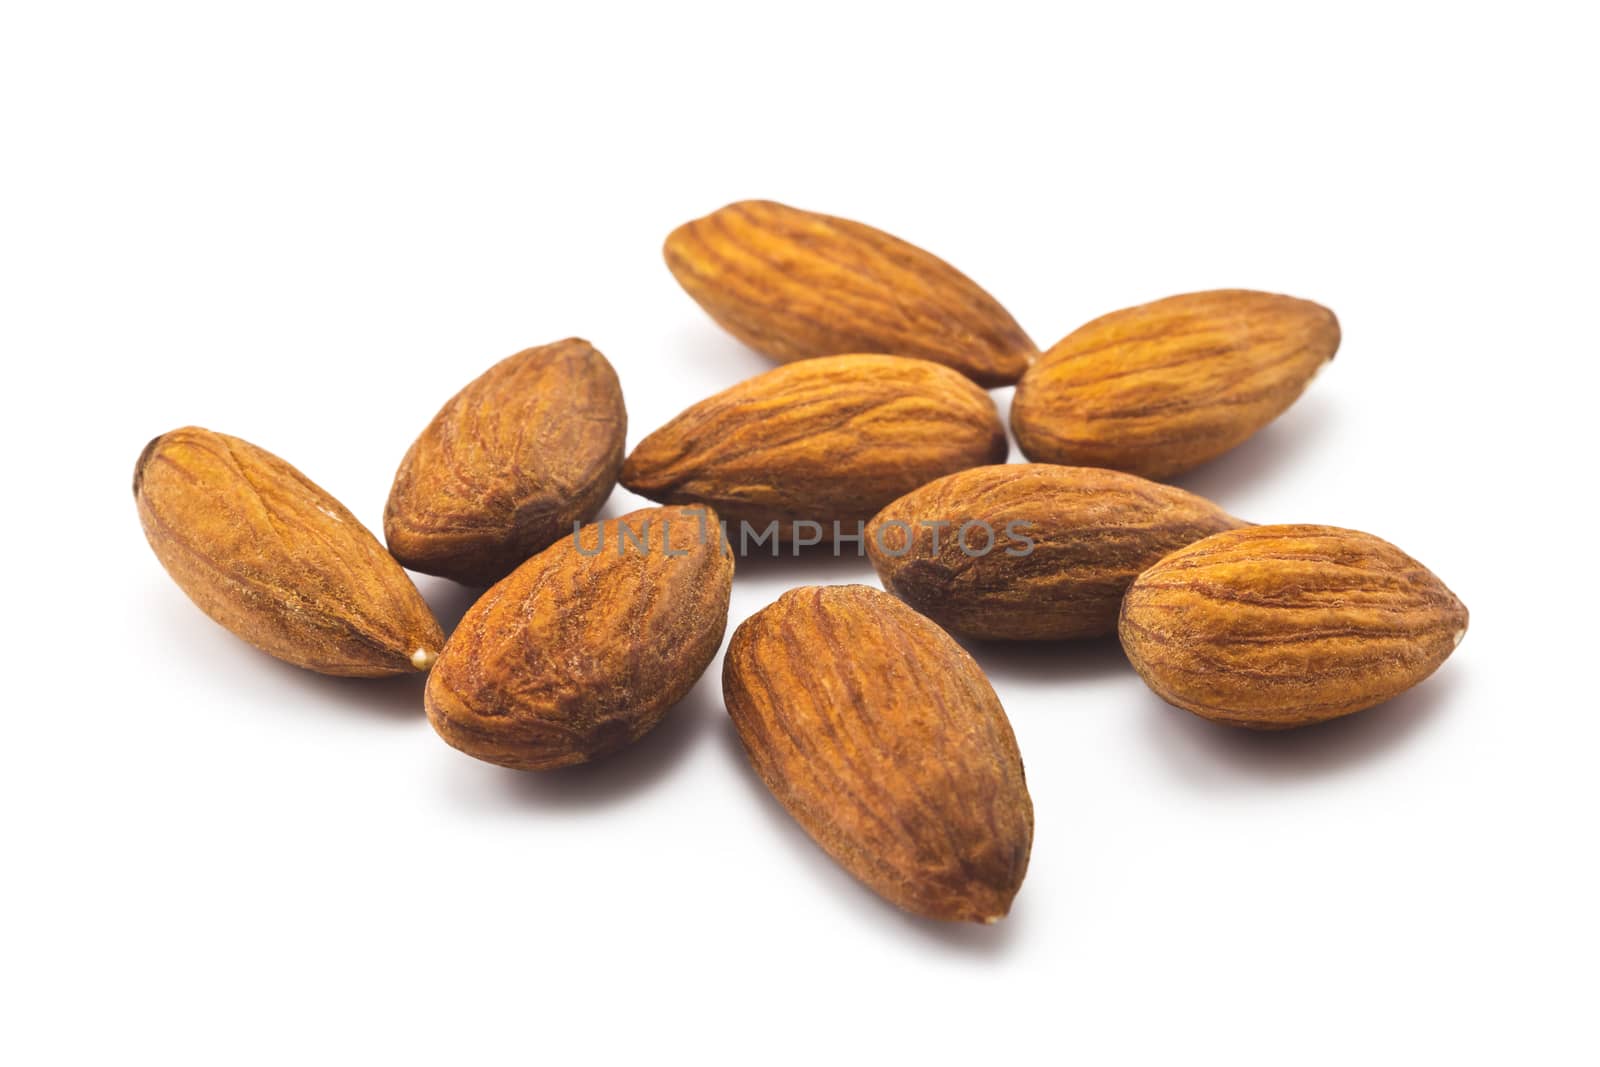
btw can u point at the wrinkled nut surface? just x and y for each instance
(1280, 626)
(793, 285)
(268, 554)
(509, 464)
(582, 649)
(1032, 551)
(884, 740)
(1157, 389)
(827, 440)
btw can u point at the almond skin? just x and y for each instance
(794, 285)
(268, 554)
(1031, 551)
(827, 440)
(884, 740)
(583, 648)
(1280, 626)
(507, 467)
(1158, 389)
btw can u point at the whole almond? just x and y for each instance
(583, 648)
(884, 740)
(507, 467)
(268, 554)
(794, 285)
(827, 440)
(1031, 551)
(1280, 626)
(1163, 387)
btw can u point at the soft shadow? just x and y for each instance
(213, 650)
(618, 504)
(814, 565)
(1210, 755)
(971, 939)
(987, 941)
(1277, 446)
(448, 600)
(622, 774)
(398, 699)
(1002, 397)
(1049, 661)
(715, 347)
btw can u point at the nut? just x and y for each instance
(1160, 388)
(583, 648)
(268, 554)
(1280, 626)
(884, 740)
(794, 284)
(1031, 551)
(508, 466)
(827, 440)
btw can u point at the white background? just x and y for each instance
(308, 225)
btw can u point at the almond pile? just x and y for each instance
(870, 724)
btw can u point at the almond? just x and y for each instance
(1163, 387)
(1280, 626)
(507, 467)
(268, 554)
(583, 648)
(827, 440)
(884, 740)
(1031, 551)
(794, 284)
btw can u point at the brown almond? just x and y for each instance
(583, 648)
(793, 285)
(1279, 626)
(1158, 389)
(884, 740)
(824, 441)
(268, 554)
(507, 467)
(1031, 551)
